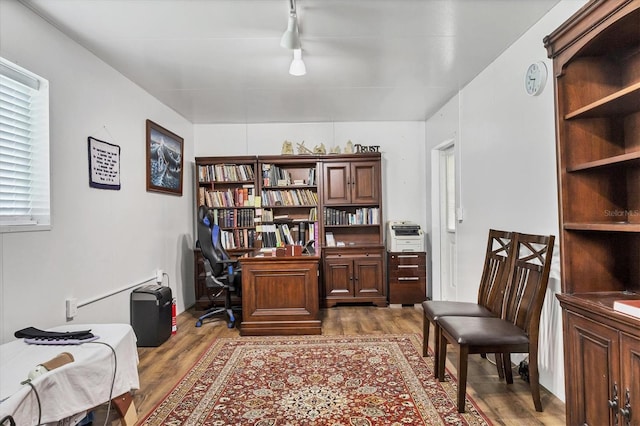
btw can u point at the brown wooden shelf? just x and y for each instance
(633, 158)
(622, 102)
(600, 226)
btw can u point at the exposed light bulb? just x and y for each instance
(297, 67)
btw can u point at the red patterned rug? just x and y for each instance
(313, 380)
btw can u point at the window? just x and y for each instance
(24, 150)
(450, 173)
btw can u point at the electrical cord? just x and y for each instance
(35, 392)
(113, 379)
(9, 419)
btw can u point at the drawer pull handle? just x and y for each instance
(407, 266)
(406, 256)
(408, 278)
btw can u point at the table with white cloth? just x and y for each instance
(72, 389)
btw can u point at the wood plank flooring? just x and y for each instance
(161, 368)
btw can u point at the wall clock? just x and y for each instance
(535, 78)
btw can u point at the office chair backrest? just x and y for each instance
(210, 241)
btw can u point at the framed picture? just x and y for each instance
(164, 160)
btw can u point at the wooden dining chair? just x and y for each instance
(517, 330)
(491, 293)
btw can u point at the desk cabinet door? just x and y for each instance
(338, 277)
(594, 367)
(368, 277)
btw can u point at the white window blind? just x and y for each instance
(24, 150)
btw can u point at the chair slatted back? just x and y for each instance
(493, 282)
(527, 284)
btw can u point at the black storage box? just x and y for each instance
(151, 314)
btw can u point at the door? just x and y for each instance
(368, 276)
(336, 184)
(338, 277)
(444, 198)
(364, 182)
(594, 371)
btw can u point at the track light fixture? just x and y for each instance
(291, 37)
(297, 67)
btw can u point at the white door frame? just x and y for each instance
(436, 288)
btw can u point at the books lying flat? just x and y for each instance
(629, 307)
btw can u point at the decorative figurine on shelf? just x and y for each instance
(303, 149)
(319, 149)
(287, 148)
(335, 149)
(348, 148)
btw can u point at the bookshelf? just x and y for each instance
(289, 194)
(284, 199)
(596, 63)
(353, 251)
(227, 186)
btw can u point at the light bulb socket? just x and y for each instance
(291, 38)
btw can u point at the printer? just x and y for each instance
(403, 236)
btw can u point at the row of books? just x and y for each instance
(239, 239)
(268, 216)
(272, 175)
(237, 197)
(231, 218)
(225, 173)
(281, 234)
(291, 197)
(361, 216)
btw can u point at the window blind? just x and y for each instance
(24, 149)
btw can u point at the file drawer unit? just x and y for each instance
(407, 277)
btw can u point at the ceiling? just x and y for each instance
(220, 61)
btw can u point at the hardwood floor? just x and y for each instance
(161, 368)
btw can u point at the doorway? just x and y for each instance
(443, 202)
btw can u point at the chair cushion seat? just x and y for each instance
(434, 309)
(483, 331)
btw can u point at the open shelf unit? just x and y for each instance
(596, 65)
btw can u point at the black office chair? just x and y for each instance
(223, 274)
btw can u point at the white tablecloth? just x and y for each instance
(72, 388)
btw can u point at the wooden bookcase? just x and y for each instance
(354, 269)
(336, 194)
(289, 194)
(596, 65)
(227, 185)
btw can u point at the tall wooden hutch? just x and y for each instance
(596, 67)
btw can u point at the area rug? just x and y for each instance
(313, 380)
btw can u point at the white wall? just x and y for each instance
(506, 158)
(401, 143)
(101, 240)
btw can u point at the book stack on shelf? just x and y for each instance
(230, 197)
(225, 173)
(361, 216)
(273, 175)
(289, 197)
(629, 307)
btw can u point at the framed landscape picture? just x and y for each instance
(164, 160)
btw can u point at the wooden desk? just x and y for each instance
(280, 295)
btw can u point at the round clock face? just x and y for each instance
(535, 78)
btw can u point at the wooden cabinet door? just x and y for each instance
(365, 182)
(630, 381)
(593, 366)
(336, 183)
(338, 277)
(368, 277)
